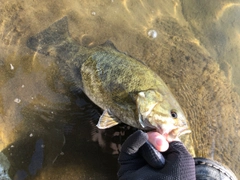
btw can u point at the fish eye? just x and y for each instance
(174, 114)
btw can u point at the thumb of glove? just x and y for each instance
(153, 157)
(131, 146)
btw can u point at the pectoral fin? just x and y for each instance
(107, 120)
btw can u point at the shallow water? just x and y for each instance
(48, 130)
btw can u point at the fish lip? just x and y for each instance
(177, 132)
(181, 131)
(185, 130)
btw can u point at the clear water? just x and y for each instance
(47, 131)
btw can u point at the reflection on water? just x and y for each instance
(48, 131)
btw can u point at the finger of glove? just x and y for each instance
(134, 142)
(175, 152)
(153, 157)
(129, 158)
(178, 161)
(144, 173)
(176, 148)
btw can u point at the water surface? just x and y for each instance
(48, 130)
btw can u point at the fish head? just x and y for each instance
(161, 112)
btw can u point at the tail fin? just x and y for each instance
(53, 35)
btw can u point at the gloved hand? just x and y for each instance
(141, 161)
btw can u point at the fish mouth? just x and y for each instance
(179, 132)
(184, 130)
(174, 133)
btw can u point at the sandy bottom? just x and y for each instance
(48, 132)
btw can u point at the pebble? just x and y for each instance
(17, 100)
(12, 67)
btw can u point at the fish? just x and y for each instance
(126, 89)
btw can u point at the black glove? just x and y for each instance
(141, 161)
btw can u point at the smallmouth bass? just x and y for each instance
(126, 89)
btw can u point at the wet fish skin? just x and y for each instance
(126, 89)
